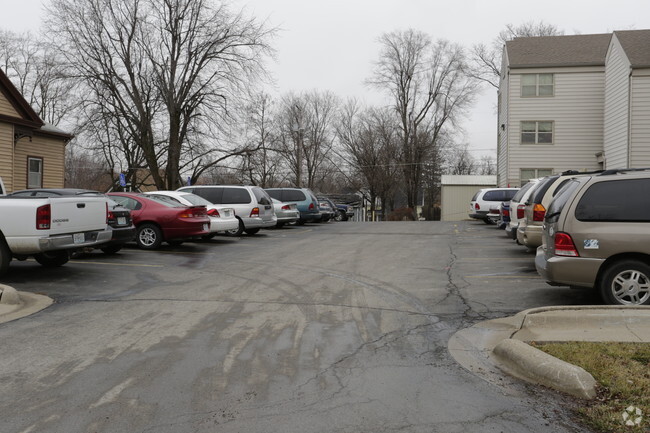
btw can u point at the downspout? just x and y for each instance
(629, 118)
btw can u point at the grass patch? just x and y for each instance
(623, 373)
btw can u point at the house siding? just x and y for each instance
(6, 108)
(640, 119)
(577, 110)
(6, 155)
(52, 151)
(615, 142)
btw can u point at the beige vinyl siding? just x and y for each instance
(640, 120)
(6, 154)
(616, 106)
(6, 108)
(502, 135)
(53, 153)
(576, 110)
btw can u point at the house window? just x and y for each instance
(537, 132)
(533, 85)
(525, 174)
(34, 172)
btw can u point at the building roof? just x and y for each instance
(636, 44)
(551, 51)
(463, 179)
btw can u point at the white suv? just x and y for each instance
(486, 198)
(518, 205)
(253, 206)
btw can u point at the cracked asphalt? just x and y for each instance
(340, 327)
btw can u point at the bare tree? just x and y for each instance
(430, 91)
(461, 161)
(486, 60)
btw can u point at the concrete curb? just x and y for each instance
(531, 364)
(15, 305)
(500, 344)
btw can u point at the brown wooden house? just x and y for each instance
(32, 153)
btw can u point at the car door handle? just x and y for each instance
(81, 205)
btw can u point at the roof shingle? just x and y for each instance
(550, 51)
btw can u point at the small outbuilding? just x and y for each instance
(457, 192)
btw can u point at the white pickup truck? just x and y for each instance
(49, 228)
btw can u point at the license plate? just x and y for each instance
(121, 221)
(78, 238)
(206, 227)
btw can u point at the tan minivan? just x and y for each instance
(597, 234)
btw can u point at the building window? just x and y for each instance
(534, 85)
(34, 172)
(525, 174)
(537, 132)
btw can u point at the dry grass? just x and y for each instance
(623, 372)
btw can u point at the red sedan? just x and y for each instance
(157, 220)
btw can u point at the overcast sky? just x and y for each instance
(331, 44)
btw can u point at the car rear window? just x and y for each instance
(543, 186)
(293, 195)
(517, 197)
(616, 200)
(196, 200)
(476, 195)
(212, 194)
(235, 196)
(261, 196)
(275, 193)
(499, 195)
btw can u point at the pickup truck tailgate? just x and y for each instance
(77, 214)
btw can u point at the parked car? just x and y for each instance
(50, 228)
(222, 218)
(118, 217)
(529, 232)
(518, 205)
(596, 234)
(286, 213)
(486, 197)
(494, 214)
(504, 215)
(304, 199)
(345, 212)
(326, 210)
(253, 206)
(159, 221)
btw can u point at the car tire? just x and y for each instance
(111, 249)
(53, 259)
(175, 243)
(5, 257)
(626, 282)
(148, 236)
(238, 231)
(252, 231)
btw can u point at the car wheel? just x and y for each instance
(626, 283)
(252, 231)
(53, 259)
(487, 221)
(5, 257)
(175, 243)
(339, 215)
(238, 231)
(148, 236)
(111, 249)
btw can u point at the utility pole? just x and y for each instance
(297, 128)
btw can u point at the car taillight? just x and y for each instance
(286, 207)
(255, 213)
(109, 214)
(506, 212)
(311, 206)
(477, 207)
(564, 245)
(538, 212)
(520, 211)
(43, 217)
(213, 213)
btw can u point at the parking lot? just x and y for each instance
(315, 328)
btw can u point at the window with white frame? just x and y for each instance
(534, 85)
(537, 132)
(525, 174)
(34, 172)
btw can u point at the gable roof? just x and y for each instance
(636, 44)
(28, 115)
(550, 51)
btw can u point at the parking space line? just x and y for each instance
(530, 277)
(484, 259)
(142, 265)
